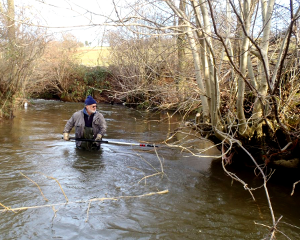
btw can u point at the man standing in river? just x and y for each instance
(89, 124)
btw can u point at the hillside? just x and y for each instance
(93, 56)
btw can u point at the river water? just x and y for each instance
(124, 192)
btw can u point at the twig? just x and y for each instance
(294, 185)
(152, 175)
(235, 177)
(84, 201)
(55, 211)
(161, 172)
(87, 212)
(36, 185)
(199, 153)
(266, 190)
(291, 225)
(161, 163)
(7, 208)
(58, 185)
(271, 229)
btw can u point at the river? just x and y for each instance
(125, 192)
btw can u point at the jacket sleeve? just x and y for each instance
(101, 124)
(70, 124)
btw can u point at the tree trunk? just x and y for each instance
(243, 68)
(264, 80)
(214, 84)
(180, 46)
(197, 64)
(203, 51)
(11, 21)
(196, 58)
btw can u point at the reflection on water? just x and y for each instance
(202, 202)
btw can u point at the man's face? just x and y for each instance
(91, 108)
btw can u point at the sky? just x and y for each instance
(72, 16)
(78, 16)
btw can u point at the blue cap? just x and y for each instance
(89, 100)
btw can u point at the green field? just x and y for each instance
(93, 56)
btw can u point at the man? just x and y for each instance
(89, 124)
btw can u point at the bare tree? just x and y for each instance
(20, 47)
(248, 65)
(243, 72)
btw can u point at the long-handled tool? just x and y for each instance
(113, 142)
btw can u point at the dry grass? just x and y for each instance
(93, 56)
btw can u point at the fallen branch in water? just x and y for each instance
(157, 172)
(83, 201)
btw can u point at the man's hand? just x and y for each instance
(98, 138)
(66, 137)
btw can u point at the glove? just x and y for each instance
(66, 137)
(98, 138)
